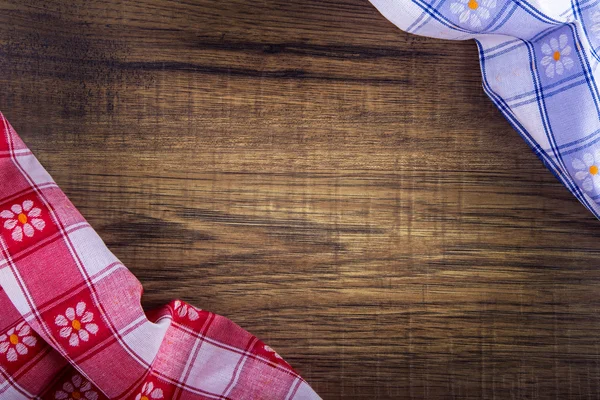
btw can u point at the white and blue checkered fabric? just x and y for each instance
(539, 61)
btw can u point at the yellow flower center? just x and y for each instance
(594, 170)
(76, 395)
(473, 4)
(556, 56)
(144, 398)
(14, 339)
(76, 324)
(22, 218)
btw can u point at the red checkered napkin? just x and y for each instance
(71, 324)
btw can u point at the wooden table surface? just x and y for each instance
(339, 188)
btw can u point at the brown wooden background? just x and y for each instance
(339, 188)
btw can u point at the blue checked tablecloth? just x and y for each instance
(539, 61)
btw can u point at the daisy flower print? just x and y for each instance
(17, 341)
(23, 220)
(184, 310)
(557, 56)
(76, 324)
(149, 392)
(473, 12)
(588, 171)
(77, 388)
(273, 352)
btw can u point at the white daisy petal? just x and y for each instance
(23, 330)
(10, 223)
(80, 308)
(560, 68)
(92, 328)
(21, 348)
(76, 379)
(568, 62)
(7, 214)
(547, 60)
(91, 395)
(550, 70)
(554, 45)
(16, 209)
(566, 51)
(30, 341)
(581, 175)
(65, 332)
(588, 159)
(74, 340)
(457, 8)
(156, 394)
(144, 388)
(87, 317)
(36, 212)
(484, 13)
(11, 355)
(38, 223)
(546, 49)
(578, 164)
(61, 320)
(28, 229)
(596, 182)
(17, 234)
(70, 313)
(192, 314)
(464, 16)
(27, 204)
(60, 395)
(588, 185)
(86, 386)
(138, 397)
(84, 335)
(563, 40)
(475, 21)
(4, 347)
(68, 387)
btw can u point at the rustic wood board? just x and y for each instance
(341, 189)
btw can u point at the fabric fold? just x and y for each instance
(72, 326)
(539, 63)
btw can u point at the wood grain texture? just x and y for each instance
(341, 189)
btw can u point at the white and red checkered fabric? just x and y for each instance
(71, 324)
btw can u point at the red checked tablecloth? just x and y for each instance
(71, 323)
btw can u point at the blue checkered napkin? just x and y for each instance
(539, 62)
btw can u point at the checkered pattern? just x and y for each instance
(71, 324)
(539, 61)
